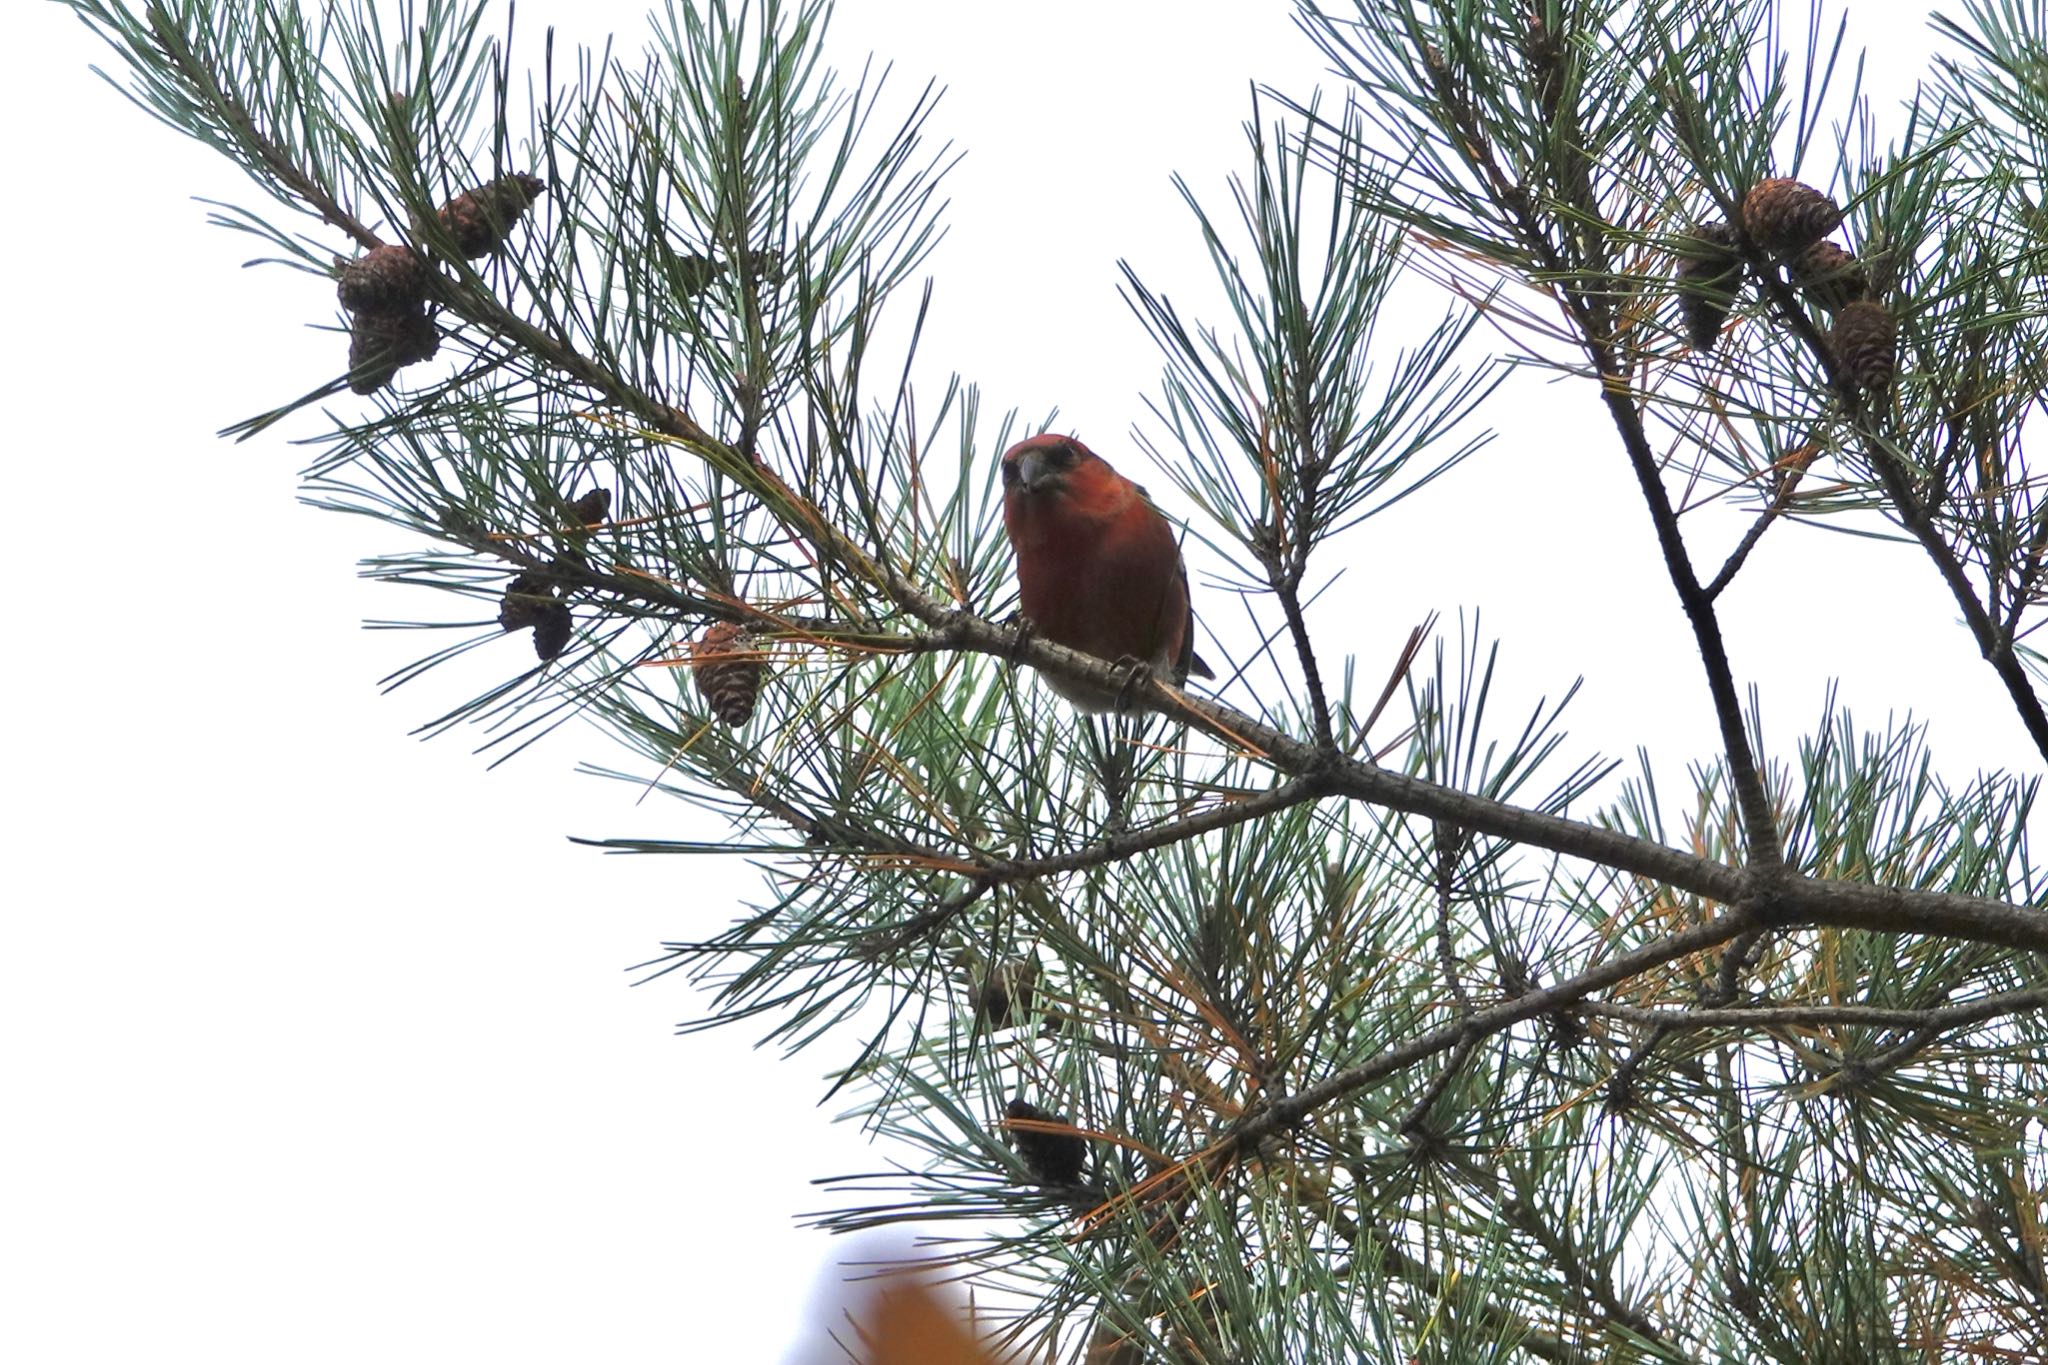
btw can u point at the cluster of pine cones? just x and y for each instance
(535, 598)
(727, 659)
(1792, 221)
(385, 290)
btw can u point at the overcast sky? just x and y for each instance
(318, 1042)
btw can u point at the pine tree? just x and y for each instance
(1339, 1018)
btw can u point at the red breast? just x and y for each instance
(1098, 566)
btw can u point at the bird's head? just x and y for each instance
(1046, 464)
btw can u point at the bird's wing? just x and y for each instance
(1189, 664)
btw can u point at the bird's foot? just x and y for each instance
(1139, 674)
(1021, 624)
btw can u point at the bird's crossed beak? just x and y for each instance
(1034, 471)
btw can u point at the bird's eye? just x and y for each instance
(1010, 471)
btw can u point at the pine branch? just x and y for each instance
(1558, 1244)
(1289, 1111)
(1242, 946)
(1994, 643)
(1933, 1021)
(1577, 283)
(1780, 903)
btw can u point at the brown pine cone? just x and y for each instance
(593, 507)
(1709, 276)
(1003, 996)
(526, 601)
(1866, 342)
(728, 666)
(1787, 216)
(1830, 276)
(380, 344)
(1052, 1158)
(386, 279)
(480, 219)
(552, 631)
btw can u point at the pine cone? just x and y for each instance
(526, 601)
(480, 219)
(387, 279)
(593, 507)
(380, 344)
(728, 667)
(1786, 216)
(1709, 276)
(552, 631)
(1546, 58)
(1830, 276)
(1052, 1158)
(1003, 996)
(1866, 342)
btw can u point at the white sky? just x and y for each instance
(318, 1045)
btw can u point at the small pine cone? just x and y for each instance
(593, 507)
(1830, 276)
(1709, 276)
(526, 601)
(1546, 58)
(552, 631)
(387, 279)
(1052, 1158)
(1787, 216)
(380, 344)
(1003, 997)
(1866, 342)
(480, 219)
(728, 667)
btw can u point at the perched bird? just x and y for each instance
(1099, 567)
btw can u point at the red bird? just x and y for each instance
(1099, 567)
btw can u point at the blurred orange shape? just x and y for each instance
(905, 1323)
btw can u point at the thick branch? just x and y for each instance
(1784, 903)
(1289, 593)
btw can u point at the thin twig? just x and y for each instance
(1794, 470)
(1590, 313)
